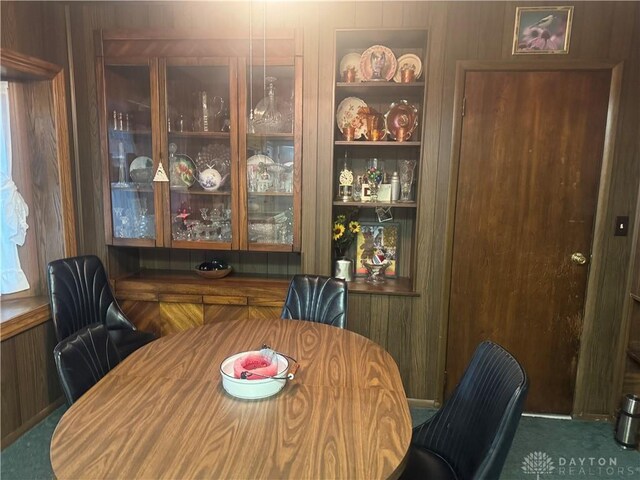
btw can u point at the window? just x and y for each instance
(13, 208)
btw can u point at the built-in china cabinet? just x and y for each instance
(201, 140)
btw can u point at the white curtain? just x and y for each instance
(13, 209)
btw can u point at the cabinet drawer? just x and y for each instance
(224, 300)
(266, 302)
(225, 313)
(172, 298)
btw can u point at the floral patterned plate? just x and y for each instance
(348, 113)
(183, 171)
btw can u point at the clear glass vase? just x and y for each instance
(373, 191)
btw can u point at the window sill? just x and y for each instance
(21, 314)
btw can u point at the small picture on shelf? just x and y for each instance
(380, 240)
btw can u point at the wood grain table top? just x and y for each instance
(162, 412)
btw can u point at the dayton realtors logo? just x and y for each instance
(540, 464)
(537, 463)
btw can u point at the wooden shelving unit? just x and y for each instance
(388, 153)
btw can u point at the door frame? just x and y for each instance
(595, 274)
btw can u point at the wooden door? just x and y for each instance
(530, 159)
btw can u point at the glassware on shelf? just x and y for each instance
(407, 168)
(201, 123)
(357, 189)
(267, 117)
(373, 191)
(204, 213)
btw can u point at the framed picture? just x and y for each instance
(542, 30)
(377, 238)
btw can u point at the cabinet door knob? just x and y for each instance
(578, 258)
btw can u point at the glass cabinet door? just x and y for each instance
(271, 157)
(201, 148)
(131, 165)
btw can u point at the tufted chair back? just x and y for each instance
(474, 429)
(80, 295)
(317, 299)
(84, 358)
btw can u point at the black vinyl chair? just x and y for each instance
(317, 299)
(83, 358)
(80, 296)
(470, 436)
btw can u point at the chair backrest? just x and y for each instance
(84, 358)
(474, 428)
(317, 299)
(79, 292)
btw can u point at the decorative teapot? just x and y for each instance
(210, 179)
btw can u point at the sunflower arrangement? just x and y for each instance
(345, 231)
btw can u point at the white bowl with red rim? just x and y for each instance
(259, 386)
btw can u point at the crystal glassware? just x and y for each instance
(407, 168)
(373, 191)
(270, 120)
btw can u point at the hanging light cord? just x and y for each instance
(264, 46)
(251, 60)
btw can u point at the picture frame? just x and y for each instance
(542, 30)
(377, 236)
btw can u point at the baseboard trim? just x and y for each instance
(18, 432)
(593, 417)
(552, 416)
(420, 403)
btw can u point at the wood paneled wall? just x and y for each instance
(457, 31)
(30, 387)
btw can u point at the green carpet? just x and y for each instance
(555, 449)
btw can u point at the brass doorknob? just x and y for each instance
(578, 258)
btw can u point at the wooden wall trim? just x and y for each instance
(600, 231)
(16, 65)
(64, 166)
(25, 313)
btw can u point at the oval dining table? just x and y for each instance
(162, 412)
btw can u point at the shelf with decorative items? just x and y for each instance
(379, 94)
(183, 137)
(270, 154)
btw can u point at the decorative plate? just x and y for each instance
(258, 159)
(351, 60)
(141, 170)
(349, 114)
(378, 63)
(183, 171)
(401, 115)
(408, 60)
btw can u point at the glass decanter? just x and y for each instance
(270, 121)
